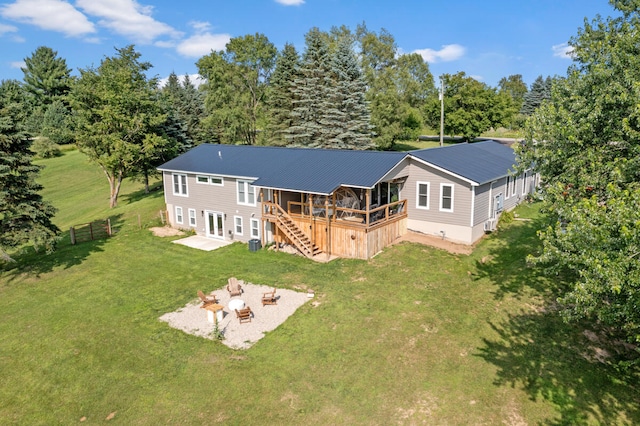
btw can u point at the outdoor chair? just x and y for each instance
(207, 299)
(269, 298)
(244, 314)
(234, 287)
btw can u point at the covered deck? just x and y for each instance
(350, 222)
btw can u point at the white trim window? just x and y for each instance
(246, 193)
(180, 185)
(507, 187)
(498, 204)
(255, 228)
(210, 180)
(422, 195)
(524, 183)
(179, 215)
(446, 197)
(192, 217)
(237, 225)
(513, 186)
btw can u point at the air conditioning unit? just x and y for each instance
(490, 225)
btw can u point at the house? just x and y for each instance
(338, 202)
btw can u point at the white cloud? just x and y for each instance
(7, 29)
(290, 2)
(562, 50)
(18, 64)
(54, 15)
(200, 26)
(128, 18)
(477, 77)
(449, 52)
(202, 44)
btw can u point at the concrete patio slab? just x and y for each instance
(202, 243)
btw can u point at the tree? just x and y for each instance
(280, 95)
(540, 92)
(348, 118)
(398, 85)
(515, 87)
(120, 120)
(235, 89)
(471, 107)
(585, 142)
(47, 81)
(311, 94)
(25, 218)
(185, 106)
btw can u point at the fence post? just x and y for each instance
(72, 235)
(91, 230)
(109, 226)
(139, 222)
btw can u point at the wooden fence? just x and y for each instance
(90, 231)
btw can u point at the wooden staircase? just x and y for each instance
(293, 233)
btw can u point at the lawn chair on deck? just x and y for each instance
(207, 299)
(234, 287)
(269, 298)
(244, 314)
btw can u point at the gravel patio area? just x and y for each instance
(192, 318)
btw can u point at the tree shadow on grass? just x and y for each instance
(553, 361)
(155, 191)
(505, 264)
(65, 256)
(539, 352)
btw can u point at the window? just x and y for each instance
(255, 228)
(180, 185)
(246, 193)
(498, 204)
(192, 217)
(422, 195)
(179, 218)
(524, 183)
(513, 186)
(238, 224)
(507, 186)
(446, 197)
(210, 180)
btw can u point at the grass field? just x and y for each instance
(414, 336)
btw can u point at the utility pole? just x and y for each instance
(441, 111)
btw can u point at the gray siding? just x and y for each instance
(206, 197)
(462, 196)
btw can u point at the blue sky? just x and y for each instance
(486, 39)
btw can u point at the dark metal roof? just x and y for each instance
(319, 171)
(478, 162)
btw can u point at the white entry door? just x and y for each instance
(215, 225)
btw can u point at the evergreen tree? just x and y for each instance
(185, 108)
(311, 94)
(47, 79)
(539, 92)
(280, 95)
(347, 120)
(24, 217)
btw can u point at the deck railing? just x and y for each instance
(357, 217)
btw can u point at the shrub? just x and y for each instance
(44, 148)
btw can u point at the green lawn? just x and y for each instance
(414, 336)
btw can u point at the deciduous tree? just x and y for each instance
(120, 120)
(585, 142)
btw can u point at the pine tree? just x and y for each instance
(540, 91)
(24, 217)
(311, 94)
(47, 80)
(280, 94)
(347, 121)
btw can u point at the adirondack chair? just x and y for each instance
(244, 314)
(269, 298)
(207, 299)
(234, 287)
